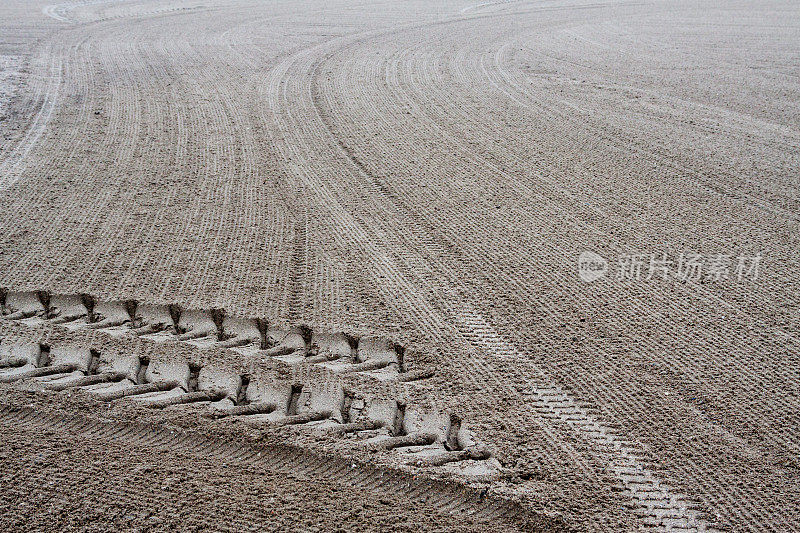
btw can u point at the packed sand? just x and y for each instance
(426, 174)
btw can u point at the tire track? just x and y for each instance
(679, 510)
(12, 163)
(283, 459)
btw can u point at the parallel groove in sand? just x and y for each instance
(457, 499)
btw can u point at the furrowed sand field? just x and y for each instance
(400, 265)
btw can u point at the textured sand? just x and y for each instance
(432, 171)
